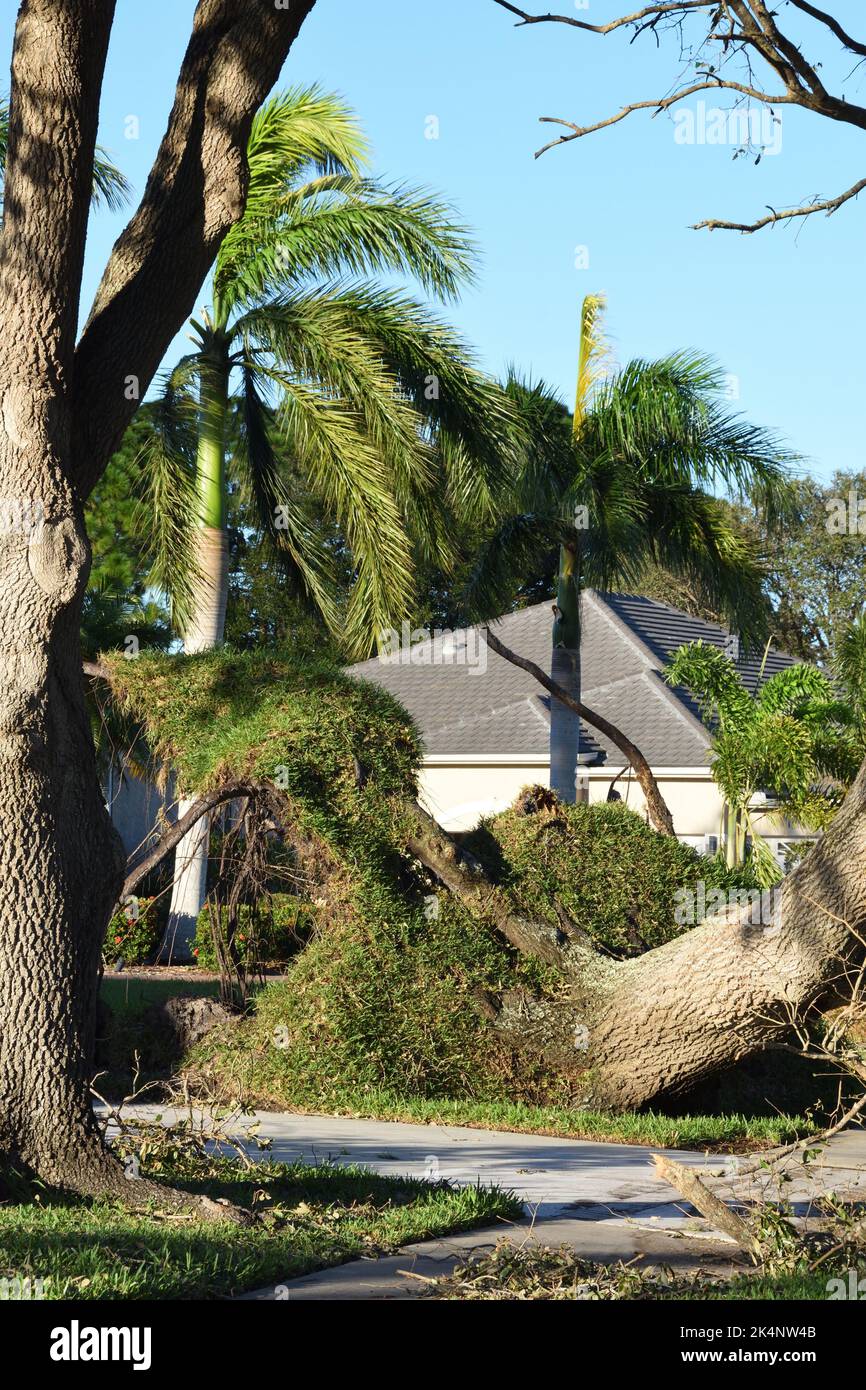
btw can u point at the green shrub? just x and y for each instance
(270, 935)
(615, 876)
(134, 932)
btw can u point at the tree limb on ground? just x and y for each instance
(687, 1183)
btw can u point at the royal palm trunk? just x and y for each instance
(203, 632)
(565, 670)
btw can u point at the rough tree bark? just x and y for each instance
(62, 411)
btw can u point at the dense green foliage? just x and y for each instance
(318, 392)
(306, 728)
(614, 875)
(386, 995)
(794, 739)
(133, 933)
(269, 933)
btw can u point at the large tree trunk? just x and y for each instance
(633, 1031)
(60, 861)
(62, 412)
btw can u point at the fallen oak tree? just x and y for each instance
(628, 1031)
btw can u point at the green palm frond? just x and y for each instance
(714, 681)
(344, 470)
(353, 228)
(438, 375)
(511, 553)
(672, 413)
(110, 185)
(849, 666)
(310, 335)
(691, 535)
(546, 465)
(298, 546)
(168, 501)
(296, 128)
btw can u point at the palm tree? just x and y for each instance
(319, 393)
(791, 748)
(849, 670)
(634, 484)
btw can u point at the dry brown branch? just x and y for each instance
(656, 805)
(685, 1181)
(741, 29)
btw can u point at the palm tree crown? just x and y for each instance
(317, 390)
(636, 481)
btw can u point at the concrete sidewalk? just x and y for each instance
(603, 1200)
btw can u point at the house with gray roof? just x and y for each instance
(486, 723)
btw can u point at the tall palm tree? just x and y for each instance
(650, 444)
(319, 392)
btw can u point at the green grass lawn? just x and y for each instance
(252, 1070)
(720, 1133)
(133, 993)
(311, 1217)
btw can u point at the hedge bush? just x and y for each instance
(271, 935)
(614, 875)
(134, 933)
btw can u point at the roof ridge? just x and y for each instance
(675, 701)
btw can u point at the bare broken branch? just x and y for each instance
(744, 29)
(656, 805)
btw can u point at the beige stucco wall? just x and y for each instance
(458, 793)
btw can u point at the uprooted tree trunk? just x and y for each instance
(63, 410)
(633, 1031)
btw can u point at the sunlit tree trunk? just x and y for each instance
(64, 406)
(565, 670)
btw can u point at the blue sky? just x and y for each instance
(783, 311)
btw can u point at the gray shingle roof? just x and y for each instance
(469, 701)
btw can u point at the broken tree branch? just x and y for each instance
(463, 876)
(208, 802)
(657, 807)
(687, 1183)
